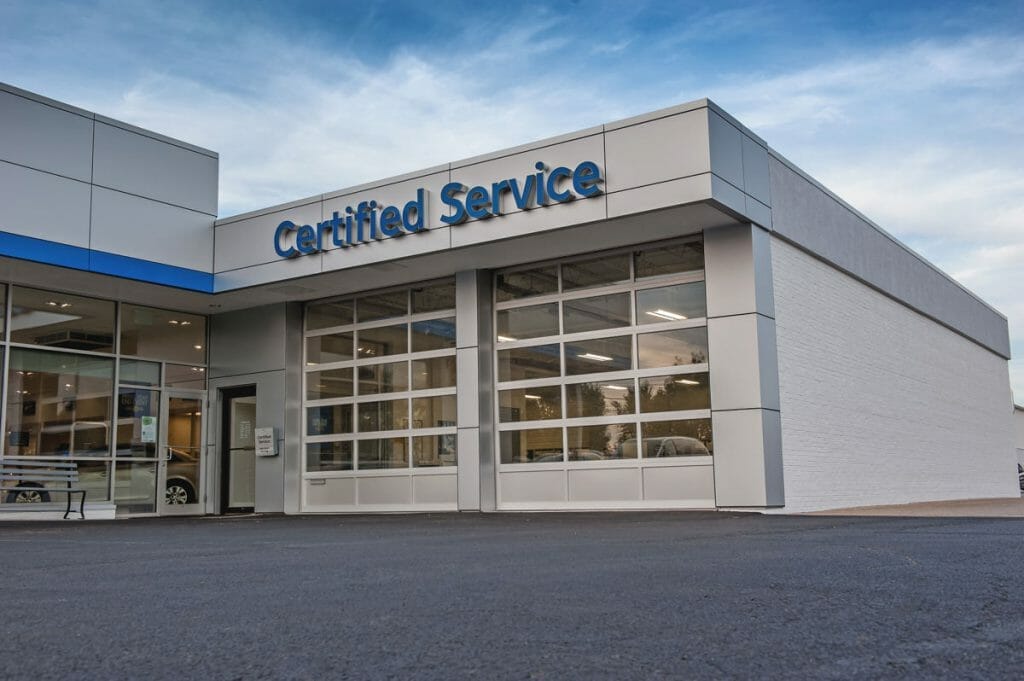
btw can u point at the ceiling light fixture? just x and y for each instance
(596, 358)
(666, 314)
(687, 381)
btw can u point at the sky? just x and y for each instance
(911, 112)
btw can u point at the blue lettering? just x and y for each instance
(585, 179)
(448, 193)
(418, 207)
(496, 189)
(522, 200)
(282, 229)
(478, 203)
(390, 221)
(305, 239)
(553, 177)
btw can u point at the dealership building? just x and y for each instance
(655, 313)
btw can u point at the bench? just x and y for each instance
(31, 476)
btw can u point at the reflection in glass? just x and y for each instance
(184, 446)
(602, 270)
(137, 422)
(691, 437)
(539, 361)
(435, 372)
(531, 321)
(599, 312)
(599, 399)
(191, 377)
(597, 443)
(331, 383)
(335, 347)
(685, 257)
(382, 341)
(530, 404)
(678, 347)
(539, 445)
(434, 450)
(61, 320)
(135, 486)
(383, 378)
(331, 420)
(163, 334)
(433, 412)
(598, 355)
(525, 283)
(434, 297)
(329, 456)
(384, 453)
(670, 303)
(58, 404)
(433, 334)
(94, 478)
(674, 393)
(328, 313)
(382, 306)
(137, 372)
(383, 415)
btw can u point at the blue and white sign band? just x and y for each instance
(370, 221)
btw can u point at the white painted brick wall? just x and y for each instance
(881, 405)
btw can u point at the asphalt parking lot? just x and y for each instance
(529, 596)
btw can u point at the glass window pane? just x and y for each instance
(180, 376)
(599, 354)
(599, 312)
(332, 420)
(136, 372)
(526, 283)
(691, 437)
(670, 303)
(58, 404)
(94, 477)
(434, 450)
(435, 372)
(3, 308)
(383, 378)
(530, 404)
(62, 320)
(385, 453)
(595, 272)
(328, 313)
(163, 334)
(383, 341)
(531, 321)
(322, 385)
(538, 445)
(600, 399)
(433, 412)
(382, 306)
(336, 347)
(138, 426)
(679, 347)
(135, 486)
(673, 259)
(329, 456)
(539, 361)
(383, 415)
(597, 443)
(433, 334)
(675, 393)
(439, 296)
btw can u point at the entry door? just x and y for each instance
(181, 487)
(238, 450)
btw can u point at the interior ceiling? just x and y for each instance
(574, 240)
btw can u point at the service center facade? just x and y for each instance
(655, 313)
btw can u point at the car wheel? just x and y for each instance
(28, 496)
(179, 492)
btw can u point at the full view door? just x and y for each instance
(181, 454)
(238, 450)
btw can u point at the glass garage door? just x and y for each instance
(602, 381)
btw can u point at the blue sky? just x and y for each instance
(912, 112)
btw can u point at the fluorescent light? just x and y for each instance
(687, 381)
(506, 339)
(615, 387)
(533, 397)
(596, 358)
(665, 314)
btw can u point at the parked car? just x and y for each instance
(656, 447)
(1020, 477)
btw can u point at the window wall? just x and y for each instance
(603, 359)
(82, 382)
(380, 381)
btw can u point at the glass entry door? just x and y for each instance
(238, 450)
(181, 454)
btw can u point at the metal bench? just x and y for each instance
(30, 478)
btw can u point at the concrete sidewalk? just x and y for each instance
(1012, 507)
